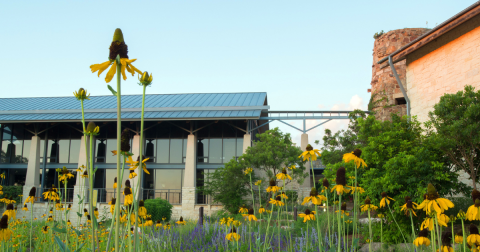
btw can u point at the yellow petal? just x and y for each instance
(100, 67)
(124, 65)
(111, 72)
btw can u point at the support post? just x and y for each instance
(33, 169)
(134, 182)
(247, 141)
(81, 184)
(305, 188)
(188, 188)
(200, 216)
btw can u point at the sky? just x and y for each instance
(307, 55)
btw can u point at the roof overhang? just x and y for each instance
(436, 32)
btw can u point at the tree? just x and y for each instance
(455, 125)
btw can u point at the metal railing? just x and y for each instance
(203, 199)
(174, 196)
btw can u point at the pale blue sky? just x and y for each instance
(307, 55)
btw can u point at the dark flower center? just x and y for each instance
(278, 198)
(357, 152)
(477, 202)
(344, 206)
(45, 228)
(126, 191)
(307, 211)
(114, 200)
(125, 138)
(475, 195)
(384, 194)
(85, 210)
(284, 171)
(473, 229)
(181, 218)
(341, 180)
(309, 148)
(127, 183)
(32, 192)
(407, 199)
(447, 238)
(118, 48)
(409, 204)
(233, 230)
(368, 201)
(25, 205)
(325, 182)
(273, 183)
(85, 173)
(88, 216)
(115, 180)
(313, 192)
(423, 233)
(141, 203)
(10, 207)
(250, 211)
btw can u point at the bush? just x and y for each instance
(159, 208)
(14, 192)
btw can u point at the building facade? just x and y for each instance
(185, 137)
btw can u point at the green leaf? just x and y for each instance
(114, 93)
(60, 244)
(94, 171)
(59, 230)
(77, 232)
(79, 215)
(95, 223)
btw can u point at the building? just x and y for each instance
(443, 60)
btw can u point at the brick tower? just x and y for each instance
(386, 96)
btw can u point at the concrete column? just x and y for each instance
(247, 141)
(33, 168)
(305, 188)
(136, 152)
(81, 184)
(188, 188)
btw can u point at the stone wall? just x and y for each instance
(385, 89)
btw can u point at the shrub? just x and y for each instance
(159, 208)
(14, 192)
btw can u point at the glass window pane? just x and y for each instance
(239, 147)
(52, 151)
(228, 149)
(168, 179)
(74, 150)
(202, 150)
(215, 154)
(17, 152)
(26, 150)
(150, 149)
(111, 145)
(176, 151)
(163, 147)
(6, 144)
(100, 149)
(42, 150)
(63, 149)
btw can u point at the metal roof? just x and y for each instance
(157, 107)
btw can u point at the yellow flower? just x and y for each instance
(250, 215)
(50, 218)
(112, 205)
(64, 174)
(261, 210)
(473, 212)
(223, 221)
(355, 156)
(95, 212)
(340, 187)
(384, 202)
(118, 47)
(166, 226)
(25, 208)
(283, 175)
(142, 211)
(115, 183)
(283, 195)
(277, 201)
(368, 206)
(381, 216)
(132, 175)
(79, 169)
(243, 209)
(148, 222)
(92, 129)
(433, 203)
(459, 237)
(146, 79)
(81, 94)
(232, 235)
(248, 171)
(258, 183)
(181, 221)
(474, 237)
(427, 223)
(357, 188)
(314, 197)
(85, 174)
(308, 215)
(422, 238)
(273, 186)
(292, 167)
(2, 175)
(310, 153)
(134, 165)
(45, 229)
(461, 214)
(158, 224)
(31, 196)
(409, 206)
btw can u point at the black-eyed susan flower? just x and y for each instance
(248, 171)
(148, 222)
(145, 80)
(446, 242)
(69, 207)
(64, 174)
(181, 221)
(25, 208)
(277, 201)
(31, 196)
(433, 202)
(85, 212)
(92, 129)
(51, 194)
(461, 215)
(250, 215)
(10, 212)
(164, 218)
(385, 200)
(258, 183)
(340, 187)
(232, 235)
(243, 209)
(89, 219)
(473, 212)
(427, 223)
(355, 156)
(85, 174)
(142, 211)
(459, 237)
(166, 226)
(112, 205)
(223, 221)
(368, 206)
(357, 189)
(292, 167)
(273, 186)
(283, 175)
(50, 218)
(314, 197)
(117, 48)
(158, 224)
(115, 183)
(307, 215)
(132, 174)
(343, 209)
(310, 153)
(45, 229)
(325, 184)
(81, 94)
(69, 223)
(474, 237)
(422, 239)
(443, 220)
(283, 195)
(409, 206)
(261, 210)
(80, 169)
(95, 212)
(136, 164)
(128, 194)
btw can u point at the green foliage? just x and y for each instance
(14, 192)
(455, 126)
(378, 34)
(159, 208)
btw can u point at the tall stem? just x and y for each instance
(339, 233)
(413, 230)
(119, 131)
(90, 186)
(251, 189)
(316, 209)
(438, 232)
(369, 232)
(31, 225)
(464, 237)
(404, 240)
(66, 225)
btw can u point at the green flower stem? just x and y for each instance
(339, 232)
(31, 225)
(328, 217)
(319, 232)
(268, 225)
(453, 238)
(66, 214)
(432, 234)
(404, 240)
(306, 248)
(90, 186)
(381, 234)
(413, 230)
(438, 232)
(369, 232)
(355, 206)
(119, 131)
(115, 209)
(464, 240)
